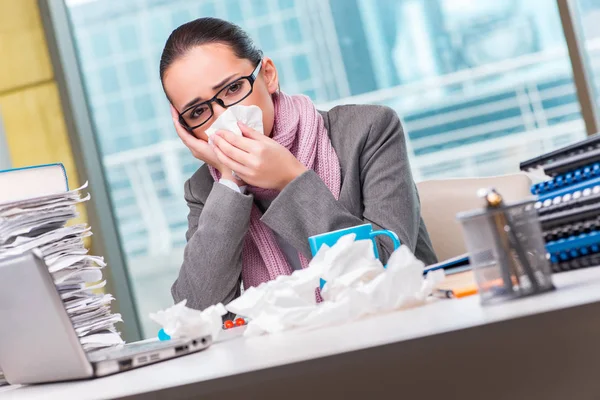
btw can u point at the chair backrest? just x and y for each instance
(442, 199)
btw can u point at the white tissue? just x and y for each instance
(180, 321)
(249, 115)
(357, 285)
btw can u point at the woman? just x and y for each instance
(311, 172)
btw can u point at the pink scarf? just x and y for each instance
(299, 128)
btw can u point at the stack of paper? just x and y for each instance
(41, 223)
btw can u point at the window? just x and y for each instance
(479, 85)
(116, 115)
(293, 32)
(260, 7)
(267, 38)
(100, 46)
(310, 93)
(180, 17)
(136, 72)
(207, 9)
(109, 80)
(234, 11)
(128, 37)
(160, 30)
(301, 68)
(285, 4)
(144, 109)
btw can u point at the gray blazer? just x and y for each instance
(377, 188)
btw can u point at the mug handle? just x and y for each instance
(389, 234)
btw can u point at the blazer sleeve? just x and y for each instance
(306, 207)
(212, 261)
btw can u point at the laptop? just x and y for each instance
(39, 344)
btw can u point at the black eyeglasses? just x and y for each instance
(199, 114)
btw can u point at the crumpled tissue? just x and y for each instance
(179, 321)
(356, 285)
(249, 115)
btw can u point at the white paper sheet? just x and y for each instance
(68, 260)
(43, 199)
(101, 340)
(23, 243)
(7, 213)
(25, 229)
(81, 304)
(98, 325)
(86, 289)
(87, 275)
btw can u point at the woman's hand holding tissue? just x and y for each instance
(201, 149)
(256, 158)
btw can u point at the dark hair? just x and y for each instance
(203, 31)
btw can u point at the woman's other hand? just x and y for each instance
(257, 159)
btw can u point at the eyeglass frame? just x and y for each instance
(215, 99)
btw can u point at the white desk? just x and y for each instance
(542, 347)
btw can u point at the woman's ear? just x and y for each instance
(270, 75)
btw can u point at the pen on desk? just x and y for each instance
(465, 291)
(455, 293)
(443, 294)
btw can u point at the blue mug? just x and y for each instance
(362, 232)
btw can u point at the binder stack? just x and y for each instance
(569, 203)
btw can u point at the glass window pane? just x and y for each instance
(136, 72)
(144, 109)
(160, 30)
(116, 114)
(109, 80)
(100, 46)
(234, 11)
(266, 38)
(180, 17)
(311, 93)
(293, 32)
(301, 67)
(285, 4)
(480, 85)
(207, 9)
(128, 37)
(260, 8)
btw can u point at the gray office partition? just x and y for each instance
(5, 162)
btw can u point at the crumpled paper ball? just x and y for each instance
(179, 321)
(357, 284)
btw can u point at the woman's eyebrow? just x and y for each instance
(191, 103)
(217, 86)
(223, 82)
